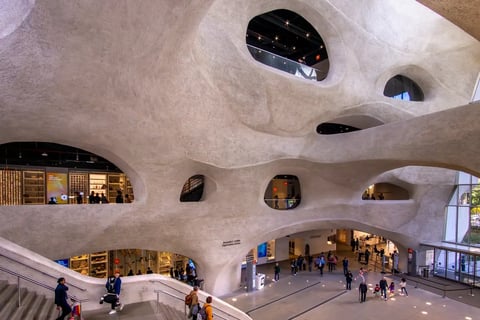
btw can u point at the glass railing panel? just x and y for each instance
(278, 62)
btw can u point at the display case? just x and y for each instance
(99, 264)
(80, 264)
(10, 187)
(115, 182)
(98, 183)
(78, 185)
(33, 187)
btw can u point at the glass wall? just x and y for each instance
(462, 229)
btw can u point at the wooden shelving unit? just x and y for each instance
(80, 264)
(98, 183)
(115, 182)
(33, 187)
(99, 264)
(78, 182)
(10, 187)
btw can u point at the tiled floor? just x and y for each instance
(308, 296)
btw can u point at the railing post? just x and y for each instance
(158, 301)
(18, 292)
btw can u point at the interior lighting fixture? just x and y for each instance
(19, 155)
(308, 34)
(287, 22)
(44, 154)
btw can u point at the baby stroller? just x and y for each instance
(76, 313)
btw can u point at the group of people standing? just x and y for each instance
(381, 289)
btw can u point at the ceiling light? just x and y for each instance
(287, 22)
(44, 154)
(19, 155)
(308, 34)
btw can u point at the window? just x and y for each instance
(193, 189)
(283, 192)
(403, 88)
(334, 128)
(284, 40)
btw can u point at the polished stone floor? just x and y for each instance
(309, 296)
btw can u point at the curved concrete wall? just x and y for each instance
(167, 90)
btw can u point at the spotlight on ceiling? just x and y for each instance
(44, 154)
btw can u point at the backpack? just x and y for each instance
(188, 299)
(203, 313)
(111, 285)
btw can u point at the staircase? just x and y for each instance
(34, 306)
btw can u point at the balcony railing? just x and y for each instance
(295, 68)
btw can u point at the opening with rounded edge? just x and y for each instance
(284, 40)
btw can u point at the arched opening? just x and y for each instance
(284, 40)
(283, 192)
(50, 173)
(131, 262)
(385, 191)
(334, 128)
(403, 88)
(315, 252)
(192, 190)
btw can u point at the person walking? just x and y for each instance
(383, 288)
(277, 272)
(345, 265)
(208, 308)
(367, 256)
(348, 280)
(362, 291)
(194, 305)
(61, 298)
(403, 286)
(114, 286)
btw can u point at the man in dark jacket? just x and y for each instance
(383, 288)
(362, 291)
(61, 298)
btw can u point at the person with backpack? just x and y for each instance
(114, 286)
(191, 300)
(206, 312)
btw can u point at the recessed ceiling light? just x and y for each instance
(44, 154)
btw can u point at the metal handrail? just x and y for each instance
(230, 316)
(39, 271)
(441, 287)
(38, 283)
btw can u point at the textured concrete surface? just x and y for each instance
(168, 89)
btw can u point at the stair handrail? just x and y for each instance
(37, 270)
(181, 298)
(38, 283)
